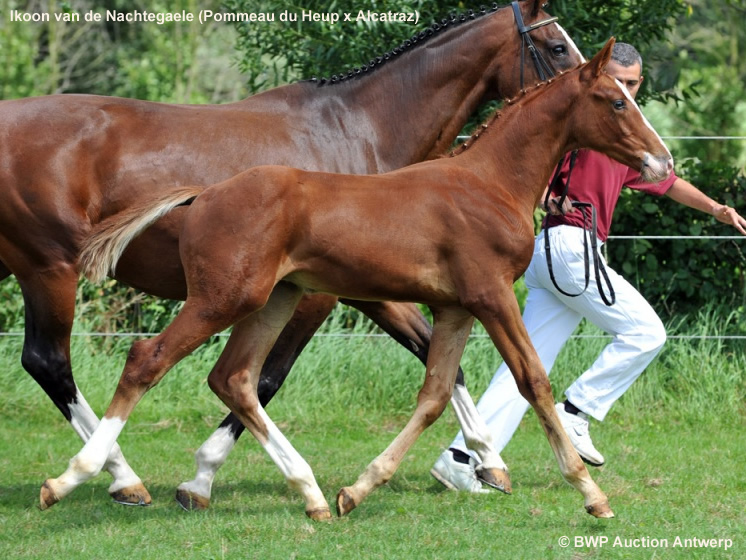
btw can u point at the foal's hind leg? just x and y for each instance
(234, 379)
(450, 332)
(308, 317)
(408, 326)
(147, 362)
(501, 318)
(49, 305)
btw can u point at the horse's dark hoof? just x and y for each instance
(345, 502)
(190, 501)
(135, 495)
(47, 497)
(496, 478)
(319, 514)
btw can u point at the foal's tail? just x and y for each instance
(108, 240)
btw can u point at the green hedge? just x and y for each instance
(683, 275)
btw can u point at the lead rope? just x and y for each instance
(598, 267)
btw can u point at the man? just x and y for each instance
(551, 317)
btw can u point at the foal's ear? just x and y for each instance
(598, 63)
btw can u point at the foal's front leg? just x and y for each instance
(501, 318)
(234, 379)
(450, 332)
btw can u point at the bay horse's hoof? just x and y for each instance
(496, 478)
(190, 501)
(345, 502)
(602, 510)
(319, 514)
(135, 495)
(47, 497)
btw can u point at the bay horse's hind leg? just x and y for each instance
(308, 317)
(49, 302)
(450, 332)
(234, 379)
(501, 318)
(407, 325)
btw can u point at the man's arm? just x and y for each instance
(685, 193)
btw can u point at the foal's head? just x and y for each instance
(607, 119)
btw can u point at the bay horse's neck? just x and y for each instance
(411, 107)
(524, 142)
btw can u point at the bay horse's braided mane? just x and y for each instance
(524, 94)
(414, 41)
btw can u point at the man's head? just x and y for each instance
(626, 66)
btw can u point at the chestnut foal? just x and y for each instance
(454, 233)
(70, 161)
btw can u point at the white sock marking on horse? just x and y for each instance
(476, 433)
(84, 421)
(209, 458)
(294, 467)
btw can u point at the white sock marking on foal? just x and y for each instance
(295, 468)
(90, 460)
(209, 458)
(84, 421)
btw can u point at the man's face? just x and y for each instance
(630, 76)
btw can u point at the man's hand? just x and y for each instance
(728, 215)
(553, 208)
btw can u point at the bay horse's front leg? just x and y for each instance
(310, 313)
(450, 332)
(501, 318)
(234, 379)
(147, 362)
(407, 325)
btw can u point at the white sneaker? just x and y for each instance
(457, 476)
(576, 426)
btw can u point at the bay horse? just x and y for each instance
(70, 161)
(253, 244)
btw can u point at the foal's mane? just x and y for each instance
(416, 40)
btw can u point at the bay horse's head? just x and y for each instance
(538, 49)
(607, 119)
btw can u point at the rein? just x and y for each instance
(585, 207)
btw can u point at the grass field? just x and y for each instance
(675, 448)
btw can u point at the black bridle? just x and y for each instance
(545, 72)
(542, 67)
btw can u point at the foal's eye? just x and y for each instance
(619, 104)
(559, 50)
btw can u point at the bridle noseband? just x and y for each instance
(545, 72)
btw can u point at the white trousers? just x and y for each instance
(550, 318)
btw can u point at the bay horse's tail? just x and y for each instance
(101, 251)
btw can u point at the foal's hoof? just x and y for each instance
(190, 501)
(319, 514)
(135, 495)
(47, 497)
(345, 502)
(601, 510)
(496, 478)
